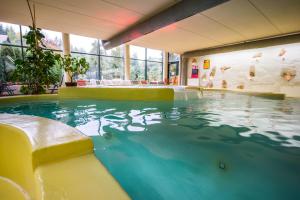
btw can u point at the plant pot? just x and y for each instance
(81, 82)
(71, 84)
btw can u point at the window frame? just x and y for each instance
(146, 60)
(99, 55)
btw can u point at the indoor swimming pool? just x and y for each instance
(222, 146)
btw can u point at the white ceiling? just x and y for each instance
(93, 18)
(231, 22)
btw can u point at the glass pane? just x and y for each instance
(57, 70)
(8, 55)
(173, 57)
(9, 33)
(137, 52)
(117, 51)
(102, 50)
(25, 30)
(154, 55)
(93, 72)
(52, 40)
(137, 70)
(112, 68)
(154, 71)
(83, 44)
(173, 69)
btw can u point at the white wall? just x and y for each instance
(268, 69)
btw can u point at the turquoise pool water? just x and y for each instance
(224, 146)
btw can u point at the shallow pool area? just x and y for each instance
(222, 146)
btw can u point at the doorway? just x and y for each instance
(173, 71)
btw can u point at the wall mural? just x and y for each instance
(275, 68)
(224, 68)
(282, 53)
(252, 72)
(257, 56)
(224, 84)
(195, 69)
(206, 64)
(212, 74)
(288, 74)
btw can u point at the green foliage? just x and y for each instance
(137, 69)
(39, 67)
(7, 56)
(74, 66)
(2, 30)
(27, 90)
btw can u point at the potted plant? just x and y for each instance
(74, 67)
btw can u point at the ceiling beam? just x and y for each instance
(251, 44)
(174, 13)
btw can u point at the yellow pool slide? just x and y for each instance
(42, 159)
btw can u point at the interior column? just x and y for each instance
(66, 51)
(165, 66)
(127, 61)
(183, 71)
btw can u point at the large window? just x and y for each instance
(85, 47)
(115, 52)
(173, 65)
(146, 64)
(154, 55)
(82, 44)
(112, 63)
(10, 34)
(10, 49)
(173, 57)
(137, 52)
(13, 46)
(112, 68)
(7, 56)
(104, 64)
(137, 69)
(52, 40)
(154, 71)
(93, 72)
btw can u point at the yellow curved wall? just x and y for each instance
(45, 159)
(15, 162)
(26, 98)
(108, 93)
(114, 93)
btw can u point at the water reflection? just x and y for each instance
(277, 121)
(153, 148)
